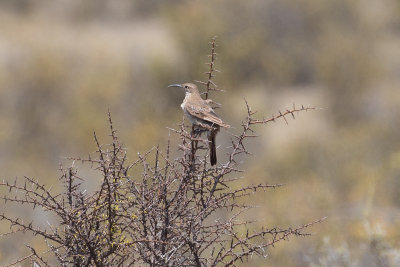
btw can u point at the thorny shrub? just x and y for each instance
(166, 214)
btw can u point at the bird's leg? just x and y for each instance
(193, 143)
(196, 141)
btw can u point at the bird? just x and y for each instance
(202, 115)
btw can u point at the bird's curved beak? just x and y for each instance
(176, 85)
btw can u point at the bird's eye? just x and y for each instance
(187, 87)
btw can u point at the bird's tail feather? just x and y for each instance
(213, 150)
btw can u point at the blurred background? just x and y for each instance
(63, 64)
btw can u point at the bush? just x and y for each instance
(157, 210)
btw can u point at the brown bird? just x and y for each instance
(201, 114)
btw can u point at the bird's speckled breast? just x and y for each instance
(190, 117)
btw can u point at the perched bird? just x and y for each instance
(201, 114)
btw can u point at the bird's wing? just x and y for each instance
(205, 112)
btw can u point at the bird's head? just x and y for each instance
(189, 87)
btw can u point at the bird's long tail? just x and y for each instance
(213, 150)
